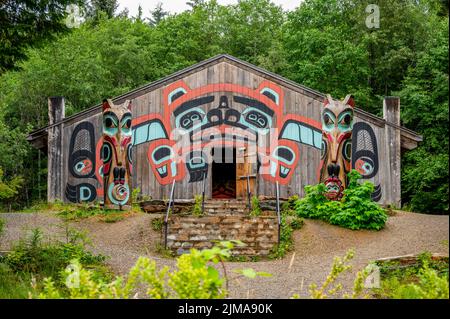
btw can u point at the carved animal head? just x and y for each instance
(337, 125)
(116, 153)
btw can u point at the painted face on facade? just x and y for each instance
(116, 154)
(337, 125)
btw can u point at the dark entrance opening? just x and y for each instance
(224, 173)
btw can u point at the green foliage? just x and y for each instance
(9, 189)
(31, 260)
(286, 240)
(197, 208)
(428, 279)
(195, 277)
(425, 90)
(70, 212)
(288, 207)
(74, 212)
(33, 256)
(256, 208)
(356, 210)
(157, 224)
(296, 222)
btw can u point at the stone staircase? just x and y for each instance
(226, 207)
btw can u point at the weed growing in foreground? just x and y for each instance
(195, 277)
(331, 288)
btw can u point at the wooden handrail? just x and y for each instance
(203, 193)
(166, 219)
(278, 212)
(248, 192)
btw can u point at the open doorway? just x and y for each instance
(224, 173)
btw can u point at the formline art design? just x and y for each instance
(239, 117)
(337, 126)
(116, 154)
(226, 128)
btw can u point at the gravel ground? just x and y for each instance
(316, 244)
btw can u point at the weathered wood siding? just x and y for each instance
(296, 101)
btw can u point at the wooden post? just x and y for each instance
(56, 113)
(391, 113)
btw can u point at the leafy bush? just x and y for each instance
(356, 210)
(256, 208)
(193, 278)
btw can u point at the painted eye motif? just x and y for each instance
(328, 121)
(347, 149)
(126, 124)
(110, 124)
(345, 121)
(188, 120)
(257, 119)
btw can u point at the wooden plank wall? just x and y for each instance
(295, 101)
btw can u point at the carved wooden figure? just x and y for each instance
(337, 126)
(116, 155)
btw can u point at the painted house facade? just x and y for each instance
(225, 126)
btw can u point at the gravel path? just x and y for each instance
(316, 244)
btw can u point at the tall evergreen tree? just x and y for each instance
(157, 14)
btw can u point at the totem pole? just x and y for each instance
(116, 155)
(337, 125)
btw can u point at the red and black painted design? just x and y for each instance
(223, 115)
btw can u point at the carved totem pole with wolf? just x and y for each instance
(337, 126)
(116, 155)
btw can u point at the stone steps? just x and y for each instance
(220, 207)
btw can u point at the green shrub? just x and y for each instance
(195, 277)
(356, 210)
(197, 208)
(256, 208)
(47, 259)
